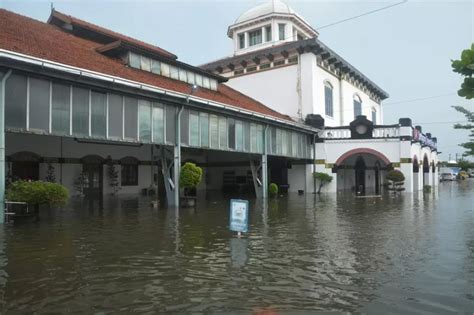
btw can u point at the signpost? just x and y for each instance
(239, 216)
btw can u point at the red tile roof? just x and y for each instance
(34, 38)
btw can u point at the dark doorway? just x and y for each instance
(24, 165)
(377, 178)
(92, 170)
(360, 176)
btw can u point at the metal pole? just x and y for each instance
(2, 146)
(177, 157)
(264, 165)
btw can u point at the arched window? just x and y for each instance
(374, 116)
(357, 106)
(328, 99)
(129, 171)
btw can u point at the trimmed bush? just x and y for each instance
(395, 176)
(273, 190)
(427, 189)
(323, 179)
(37, 193)
(190, 176)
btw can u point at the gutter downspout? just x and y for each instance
(2, 146)
(264, 165)
(177, 157)
(314, 163)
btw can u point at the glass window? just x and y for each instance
(204, 122)
(191, 77)
(170, 124)
(374, 116)
(130, 117)
(274, 141)
(185, 127)
(268, 33)
(60, 108)
(144, 120)
(182, 75)
(199, 80)
(246, 136)
(253, 138)
(158, 123)
(155, 66)
(328, 100)
(239, 136)
(213, 84)
(134, 60)
(174, 73)
(278, 141)
(259, 138)
(231, 130)
(145, 64)
(129, 174)
(194, 129)
(39, 104)
(242, 40)
(223, 133)
(357, 106)
(255, 37)
(115, 116)
(80, 111)
(214, 130)
(289, 146)
(165, 70)
(281, 31)
(205, 83)
(98, 114)
(294, 144)
(284, 143)
(15, 101)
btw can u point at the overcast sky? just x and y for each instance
(405, 49)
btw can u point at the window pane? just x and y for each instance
(374, 117)
(294, 144)
(165, 69)
(155, 66)
(204, 122)
(15, 101)
(328, 100)
(134, 60)
(278, 141)
(246, 137)
(231, 128)
(241, 41)
(145, 64)
(98, 114)
(274, 141)
(158, 123)
(289, 141)
(131, 117)
(170, 124)
(144, 116)
(255, 37)
(260, 138)
(174, 73)
(268, 31)
(214, 131)
(194, 129)
(213, 84)
(281, 31)
(129, 175)
(239, 136)
(80, 111)
(191, 77)
(182, 75)
(253, 138)
(205, 83)
(60, 103)
(199, 80)
(115, 116)
(185, 127)
(222, 133)
(39, 104)
(284, 143)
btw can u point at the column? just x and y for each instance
(264, 165)
(177, 158)
(2, 144)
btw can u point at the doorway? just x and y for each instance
(93, 176)
(377, 178)
(360, 176)
(25, 166)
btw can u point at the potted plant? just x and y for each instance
(396, 181)
(190, 177)
(31, 194)
(273, 190)
(323, 179)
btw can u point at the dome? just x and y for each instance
(269, 7)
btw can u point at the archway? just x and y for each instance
(426, 170)
(92, 176)
(361, 171)
(24, 165)
(416, 173)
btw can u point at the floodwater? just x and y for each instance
(412, 254)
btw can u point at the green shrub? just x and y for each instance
(323, 178)
(190, 176)
(395, 176)
(427, 188)
(273, 190)
(37, 192)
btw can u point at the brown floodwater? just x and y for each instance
(412, 254)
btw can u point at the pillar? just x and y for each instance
(2, 145)
(177, 158)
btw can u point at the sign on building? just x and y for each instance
(239, 214)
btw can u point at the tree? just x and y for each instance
(113, 176)
(323, 179)
(190, 176)
(396, 180)
(273, 190)
(465, 67)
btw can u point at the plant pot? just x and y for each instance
(25, 213)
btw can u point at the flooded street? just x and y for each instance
(412, 254)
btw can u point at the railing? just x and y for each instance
(386, 132)
(378, 132)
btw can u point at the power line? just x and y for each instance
(360, 15)
(441, 122)
(419, 99)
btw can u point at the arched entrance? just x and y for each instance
(416, 170)
(92, 176)
(426, 170)
(24, 165)
(361, 171)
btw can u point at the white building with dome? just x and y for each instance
(279, 60)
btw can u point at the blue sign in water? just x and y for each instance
(239, 215)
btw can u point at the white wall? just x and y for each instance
(348, 91)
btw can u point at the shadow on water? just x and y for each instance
(303, 253)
